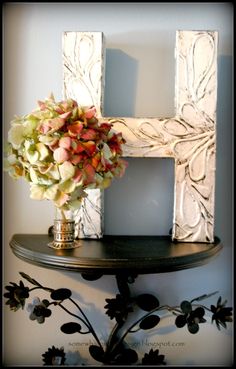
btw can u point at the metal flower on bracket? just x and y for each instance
(16, 295)
(118, 308)
(54, 356)
(190, 317)
(38, 310)
(117, 350)
(221, 314)
(153, 358)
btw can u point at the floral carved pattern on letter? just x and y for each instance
(189, 137)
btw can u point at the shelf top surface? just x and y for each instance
(115, 254)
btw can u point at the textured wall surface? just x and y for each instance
(139, 82)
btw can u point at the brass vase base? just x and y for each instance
(64, 235)
(64, 245)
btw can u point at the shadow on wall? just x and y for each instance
(120, 83)
(141, 203)
(224, 163)
(140, 79)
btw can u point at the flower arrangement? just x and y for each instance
(61, 149)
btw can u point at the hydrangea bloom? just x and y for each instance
(61, 149)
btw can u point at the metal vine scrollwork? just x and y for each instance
(190, 314)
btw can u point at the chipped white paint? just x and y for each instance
(189, 137)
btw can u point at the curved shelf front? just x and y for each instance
(115, 254)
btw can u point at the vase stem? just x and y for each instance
(63, 215)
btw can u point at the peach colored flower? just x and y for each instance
(78, 175)
(65, 142)
(75, 129)
(88, 134)
(61, 155)
(90, 113)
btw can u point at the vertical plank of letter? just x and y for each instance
(83, 78)
(195, 148)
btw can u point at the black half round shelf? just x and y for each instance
(115, 254)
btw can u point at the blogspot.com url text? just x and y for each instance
(159, 344)
(137, 344)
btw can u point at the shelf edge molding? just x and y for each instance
(116, 254)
